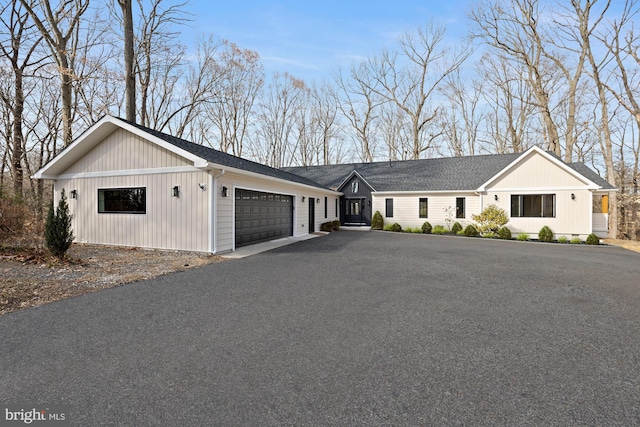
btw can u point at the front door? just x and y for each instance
(312, 214)
(353, 214)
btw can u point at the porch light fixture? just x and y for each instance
(317, 200)
(202, 186)
(573, 196)
(495, 197)
(302, 199)
(175, 191)
(225, 191)
(73, 194)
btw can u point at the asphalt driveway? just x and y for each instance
(349, 329)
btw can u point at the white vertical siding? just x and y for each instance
(169, 223)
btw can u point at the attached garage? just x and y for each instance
(261, 216)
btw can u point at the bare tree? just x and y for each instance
(409, 79)
(57, 28)
(19, 51)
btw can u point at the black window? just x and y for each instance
(423, 207)
(388, 208)
(533, 205)
(122, 200)
(325, 207)
(355, 187)
(460, 207)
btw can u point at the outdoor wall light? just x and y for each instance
(495, 197)
(317, 200)
(73, 194)
(202, 186)
(225, 191)
(302, 199)
(175, 191)
(573, 196)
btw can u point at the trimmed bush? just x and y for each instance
(456, 228)
(57, 230)
(592, 239)
(563, 239)
(326, 226)
(336, 224)
(377, 222)
(545, 234)
(504, 233)
(523, 237)
(491, 219)
(439, 229)
(395, 227)
(470, 231)
(426, 227)
(575, 241)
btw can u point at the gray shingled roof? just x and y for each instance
(224, 159)
(441, 174)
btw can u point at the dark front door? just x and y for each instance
(353, 214)
(312, 214)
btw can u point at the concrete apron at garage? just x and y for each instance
(257, 248)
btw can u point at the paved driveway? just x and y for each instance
(349, 329)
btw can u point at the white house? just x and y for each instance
(128, 185)
(132, 186)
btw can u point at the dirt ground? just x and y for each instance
(28, 279)
(627, 244)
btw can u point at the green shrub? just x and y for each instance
(326, 226)
(426, 227)
(456, 228)
(395, 227)
(377, 222)
(336, 224)
(489, 235)
(491, 219)
(57, 230)
(439, 229)
(523, 237)
(412, 230)
(504, 233)
(470, 231)
(592, 239)
(575, 241)
(562, 239)
(545, 234)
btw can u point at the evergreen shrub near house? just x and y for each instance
(328, 226)
(336, 224)
(491, 219)
(592, 239)
(395, 227)
(377, 222)
(456, 228)
(545, 234)
(426, 227)
(504, 233)
(439, 229)
(470, 231)
(57, 231)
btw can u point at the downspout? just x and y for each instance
(213, 217)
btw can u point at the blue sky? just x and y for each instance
(310, 39)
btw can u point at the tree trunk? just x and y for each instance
(129, 72)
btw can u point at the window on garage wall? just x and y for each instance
(423, 207)
(122, 200)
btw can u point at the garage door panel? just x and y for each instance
(262, 216)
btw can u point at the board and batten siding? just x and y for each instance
(537, 175)
(441, 206)
(123, 150)
(169, 222)
(225, 214)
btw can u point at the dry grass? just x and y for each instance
(627, 244)
(30, 278)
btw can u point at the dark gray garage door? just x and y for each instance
(262, 216)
